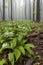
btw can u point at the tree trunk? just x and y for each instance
(33, 10)
(3, 9)
(38, 11)
(25, 9)
(11, 10)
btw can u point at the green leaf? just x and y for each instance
(1, 50)
(28, 48)
(6, 45)
(13, 43)
(11, 58)
(29, 45)
(20, 37)
(22, 50)
(23, 41)
(2, 62)
(17, 54)
(30, 51)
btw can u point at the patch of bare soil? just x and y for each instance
(37, 40)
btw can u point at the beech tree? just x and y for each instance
(11, 10)
(3, 9)
(38, 11)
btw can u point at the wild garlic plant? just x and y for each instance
(12, 37)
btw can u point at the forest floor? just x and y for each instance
(37, 39)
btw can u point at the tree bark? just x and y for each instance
(11, 10)
(38, 11)
(33, 9)
(25, 9)
(3, 9)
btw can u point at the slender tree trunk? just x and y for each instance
(33, 9)
(30, 8)
(25, 9)
(3, 9)
(11, 10)
(38, 11)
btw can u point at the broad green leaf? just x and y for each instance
(11, 58)
(2, 62)
(30, 51)
(1, 50)
(29, 46)
(22, 50)
(23, 41)
(5, 45)
(13, 43)
(20, 37)
(17, 54)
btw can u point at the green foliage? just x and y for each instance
(2, 62)
(11, 58)
(22, 50)
(28, 48)
(17, 54)
(12, 35)
(38, 30)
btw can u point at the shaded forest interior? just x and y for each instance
(27, 14)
